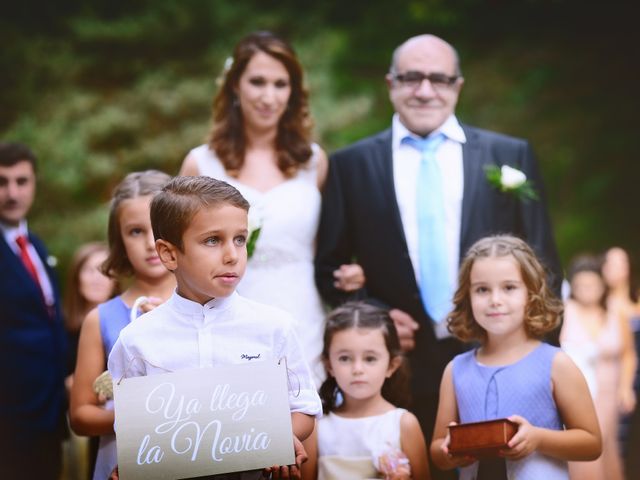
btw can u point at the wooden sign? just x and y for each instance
(203, 422)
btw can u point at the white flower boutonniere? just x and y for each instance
(52, 261)
(254, 227)
(510, 180)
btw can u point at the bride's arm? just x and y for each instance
(323, 168)
(189, 166)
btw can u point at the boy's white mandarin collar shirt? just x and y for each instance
(181, 334)
(191, 308)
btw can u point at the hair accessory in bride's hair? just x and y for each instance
(228, 63)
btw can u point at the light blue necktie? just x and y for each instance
(435, 284)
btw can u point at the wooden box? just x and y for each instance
(481, 439)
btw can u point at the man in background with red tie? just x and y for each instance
(32, 337)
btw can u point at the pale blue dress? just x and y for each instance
(114, 315)
(521, 388)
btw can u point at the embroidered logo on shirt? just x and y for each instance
(244, 356)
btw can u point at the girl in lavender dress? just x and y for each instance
(504, 302)
(132, 253)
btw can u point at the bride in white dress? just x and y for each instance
(260, 144)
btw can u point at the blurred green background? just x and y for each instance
(101, 88)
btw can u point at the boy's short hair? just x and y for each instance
(12, 153)
(175, 206)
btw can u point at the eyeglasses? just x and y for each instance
(413, 79)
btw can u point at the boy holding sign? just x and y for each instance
(200, 227)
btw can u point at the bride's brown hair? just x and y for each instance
(227, 138)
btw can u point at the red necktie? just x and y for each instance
(22, 242)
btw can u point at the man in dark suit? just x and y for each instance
(32, 338)
(372, 202)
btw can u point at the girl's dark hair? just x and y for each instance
(592, 264)
(364, 316)
(227, 137)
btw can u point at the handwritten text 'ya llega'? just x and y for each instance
(187, 434)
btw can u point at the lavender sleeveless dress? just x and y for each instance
(114, 315)
(521, 388)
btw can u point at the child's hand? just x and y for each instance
(299, 451)
(289, 471)
(456, 460)
(150, 304)
(403, 473)
(349, 277)
(114, 474)
(524, 442)
(284, 472)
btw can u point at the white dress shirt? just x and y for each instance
(406, 166)
(181, 334)
(10, 235)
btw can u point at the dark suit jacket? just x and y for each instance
(360, 221)
(32, 351)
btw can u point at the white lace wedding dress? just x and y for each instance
(280, 272)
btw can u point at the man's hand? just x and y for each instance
(406, 327)
(349, 278)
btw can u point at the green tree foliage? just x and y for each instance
(101, 88)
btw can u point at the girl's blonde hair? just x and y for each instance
(543, 310)
(134, 185)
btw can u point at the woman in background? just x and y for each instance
(623, 296)
(600, 342)
(86, 287)
(616, 271)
